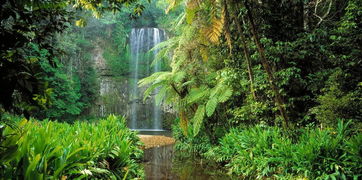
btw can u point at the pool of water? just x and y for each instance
(162, 163)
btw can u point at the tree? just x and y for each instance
(37, 21)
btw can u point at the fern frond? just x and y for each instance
(148, 80)
(169, 43)
(163, 76)
(211, 106)
(150, 89)
(162, 93)
(191, 9)
(216, 90)
(179, 76)
(197, 119)
(226, 94)
(213, 32)
(162, 54)
(196, 94)
(171, 97)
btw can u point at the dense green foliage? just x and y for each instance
(266, 152)
(37, 22)
(287, 73)
(106, 149)
(63, 94)
(238, 64)
(264, 88)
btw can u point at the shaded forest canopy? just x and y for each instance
(233, 70)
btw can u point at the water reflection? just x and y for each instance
(162, 164)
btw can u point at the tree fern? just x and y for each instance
(193, 89)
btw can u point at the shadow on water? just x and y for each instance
(162, 164)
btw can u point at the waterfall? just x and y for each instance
(157, 68)
(142, 40)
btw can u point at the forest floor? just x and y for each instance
(151, 141)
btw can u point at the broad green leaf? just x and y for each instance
(211, 106)
(198, 118)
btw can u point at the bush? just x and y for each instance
(52, 150)
(260, 152)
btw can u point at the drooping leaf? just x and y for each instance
(161, 95)
(226, 94)
(198, 118)
(211, 106)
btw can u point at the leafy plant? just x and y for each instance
(265, 152)
(37, 150)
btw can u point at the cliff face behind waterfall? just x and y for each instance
(113, 91)
(119, 93)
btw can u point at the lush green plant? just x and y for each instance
(51, 150)
(335, 103)
(62, 95)
(265, 152)
(195, 91)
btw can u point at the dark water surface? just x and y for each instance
(161, 163)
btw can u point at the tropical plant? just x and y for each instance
(47, 150)
(191, 87)
(261, 152)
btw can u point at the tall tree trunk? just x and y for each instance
(247, 57)
(278, 98)
(245, 49)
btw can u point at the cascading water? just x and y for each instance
(142, 40)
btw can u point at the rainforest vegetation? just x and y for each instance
(265, 89)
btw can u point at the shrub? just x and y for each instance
(52, 150)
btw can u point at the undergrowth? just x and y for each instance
(263, 152)
(31, 149)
